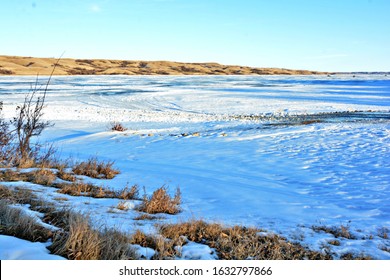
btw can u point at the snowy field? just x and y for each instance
(283, 153)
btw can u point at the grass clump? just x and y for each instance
(117, 126)
(342, 231)
(44, 177)
(96, 169)
(66, 176)
(15, 222)
(239, 243)
(128, 193)
(161, 202)
(85, 189)
(80, 241)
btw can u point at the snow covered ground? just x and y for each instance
(244, 150)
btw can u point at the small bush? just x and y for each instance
(116, 126)
(161, 202)
(96, 169)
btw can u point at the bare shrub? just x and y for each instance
(161, 202)
(117, 126)
(96, 169)
(28, 122)
(6, 137)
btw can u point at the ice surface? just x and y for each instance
(238, 147)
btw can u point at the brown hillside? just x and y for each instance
(16, 65)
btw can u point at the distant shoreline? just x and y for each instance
(20, 66)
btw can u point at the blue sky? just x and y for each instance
(342, 35)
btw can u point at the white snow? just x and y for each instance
(235, 169)
(13, 248)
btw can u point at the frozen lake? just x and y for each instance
(282, 153)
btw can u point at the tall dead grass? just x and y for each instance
(161, 202)
(96, 169)
(240, 243)
(14, 222)
(80, 241)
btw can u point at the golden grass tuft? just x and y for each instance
(66, 176)
(122, 205)
(80, 241)
(44, 177)
(85, 189)
(96, 169)
(129, 193)
(15, 222)
(239, 243)
(161, 202)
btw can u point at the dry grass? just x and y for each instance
(96, 169)
(85, 189)
(334, 242)
(240, 243)
(44, 177)
(129, 193)
(165, 249)
(146, 217)
(80, 241)
(123, 206)
(66, 176)
(161, 202)
(350, 256)
(15, 222)
(18, 66)
(383, 232)
(342, 231)
(9, 175)
(117, 126)
(40, 176)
